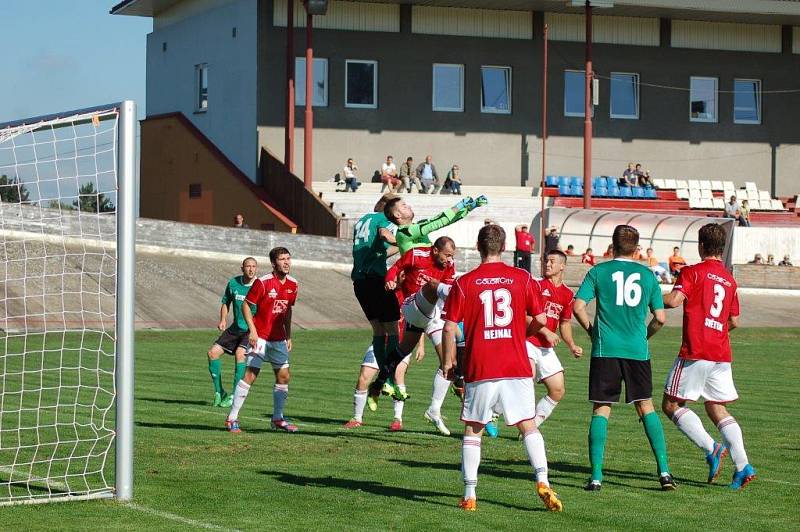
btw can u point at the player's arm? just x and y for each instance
(247, 314)
(223, 316)
(391, 275)
(658, 321)
(582, 315)
(586, 292)
(537, 325)
(656, 305)
(565, 327)
(733, 317)
(448, 360)
(387, 236)
(674, 299)
(733, 322)
(287, 326)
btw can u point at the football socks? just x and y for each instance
(655, 435)
(690, 424)
(732, 436)
(598, 432)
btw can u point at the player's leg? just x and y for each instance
(369, 368)
(255, 358)
(549, 371)
(278, 354)
(605, 388)
(215, 370)
(399, 404)
(480, 399)
(440, 383)
(240, 366)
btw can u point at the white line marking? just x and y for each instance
(176, 518)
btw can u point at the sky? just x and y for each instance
(69, 54)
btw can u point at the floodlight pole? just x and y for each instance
(544, 154)
(126, 272)
(308, 131)
(288, 133)
(587, 120)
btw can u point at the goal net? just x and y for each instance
(59, 277)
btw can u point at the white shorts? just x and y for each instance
(514, 398)
(546, 361)
(690, 379)
(416, 317)
(276, 353)
(370, 362)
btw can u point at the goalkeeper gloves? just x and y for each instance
(481, 200)
(464, 203)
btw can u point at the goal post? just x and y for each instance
(67, 270)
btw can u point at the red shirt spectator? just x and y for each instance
(588, 257)
(525, 240)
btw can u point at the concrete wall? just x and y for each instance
(505, 149)
(204, 34)
(778, 241)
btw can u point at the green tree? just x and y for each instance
(89, 200)
(12, 191)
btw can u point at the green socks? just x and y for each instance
(379, 349)
(238, 374)
(215, 369)
(655, 433)
(598, 432)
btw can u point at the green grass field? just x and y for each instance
(188, 467)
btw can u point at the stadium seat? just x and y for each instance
(563, 190)
(694, 193)
(719, 203)
(764, 195)
(706, 203)
(625, 192)
(693, 184)
(638, 192)
(650, 193)
(602, 182)
(749, 185)
(777, 205)
(694, 203)
(660, 183)
(613, 192)
(670, 184)
(706, 193)
(681, 183)
(705, 184)
(563, 181)
(576, 190)
(682, 193)
(575, 181)
(551, 181)
(755, 205)
(728, 185)
(600, 192)
(716, 185)
(741, 194)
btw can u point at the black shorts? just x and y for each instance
(231, 340)
(606, 376)
(376, 302)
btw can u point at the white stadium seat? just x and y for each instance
(777, 205)
(716, 185)
(755, 205)
(670, 184)
(693, 183)
(706, 203)
(719, 203)
(705, 184)
(659, 183)
(694, 193)
(741, 194)
(681, 183)
(749, 185)
(706, 193)
(694, 203)
(682, 193)
(728, 185)
(764, 195)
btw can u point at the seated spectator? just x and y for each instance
(629, 177)
(637, 255)
(676, 262)
(758, 259)
(350, 177)
(238, 222)
(659, 269)
(389, 175)
(785, 261)
(570, 250)
(733, 210)
(609, 252)
(453, 180)
(745, 212)
(551, 239)
(408, 176)
(770, 260)
(644, 177)
(428, 176)
(588, 257)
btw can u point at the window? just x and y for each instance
(361, 84)
(448, 87)
(496, 89)
(624, 95)
(320, 84)
(574, 92)
(703, 99)
(747, 101)
(195, 190)
(201, 82)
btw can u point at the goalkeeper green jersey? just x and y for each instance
(235, 292)
(369, 249)
(626, 292)
(415, 235)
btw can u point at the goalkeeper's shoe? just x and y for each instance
(437, 421)
(743, 478)
(469, 505)
(387, 388)
(714, 460)
(227, 402)
(372, 403)
(491, 429)
(352, 424)
(549, 497)
(284, 425)
(399, 393)
(481, 200)
(217, 399)
(232, 425)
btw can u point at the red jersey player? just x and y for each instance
(707, 292)
(557, 300)
(495, 302)
(270, 341)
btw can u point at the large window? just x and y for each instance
(448, 87)
(320, 82)
(703, 99)
(574, 92)
(201, 87)
(624, 95)
(361, 84)
(747, 101)
(496, 89)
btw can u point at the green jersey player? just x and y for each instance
(626, 292)
(233, 339)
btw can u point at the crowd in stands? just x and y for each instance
(759, 259)
(636, 176)
(423, 176)
(738, 212)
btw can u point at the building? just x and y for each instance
(702, 90)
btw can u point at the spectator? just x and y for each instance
(408, 176)
(551, 239)
(427, 174)
(758, 259)
(644, 177)
(733, 210)
(522, 251)
(609, 252)
(745, 212)
(629, 177)
(389, 175)
(588, 257)
(453, 180)
(238, 222)
(658, 268)
(350, 176)
(770, 260)
(637, 255)
(785, 261)
(676, 262)
(489, 221)
(570, 250)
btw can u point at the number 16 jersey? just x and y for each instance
(626, 292)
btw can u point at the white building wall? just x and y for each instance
(726, 36)
(192, 38)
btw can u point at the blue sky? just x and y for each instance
(69, 54)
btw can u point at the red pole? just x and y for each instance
(288, 133)
(587, 120)
(544, 154)
(309, 125)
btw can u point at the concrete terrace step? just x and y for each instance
(467, 190)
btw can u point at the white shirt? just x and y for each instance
(350, 172)
(389, 169)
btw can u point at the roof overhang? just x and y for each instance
(142, 8)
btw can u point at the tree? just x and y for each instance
(12, 191)
(89, 200)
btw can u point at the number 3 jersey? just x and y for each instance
(711, 300)
(626, 293)
(492, 300)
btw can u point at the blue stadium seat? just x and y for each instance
(563, 181)
(551, 181)
(575, 181)
(625, 192)
(650, 193)
(602, 182)
(638, 192)
(613, 192)
(600, 192)
(563, 190)
(576, 190)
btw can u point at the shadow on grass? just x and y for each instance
(184, 426)
(173, 401)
